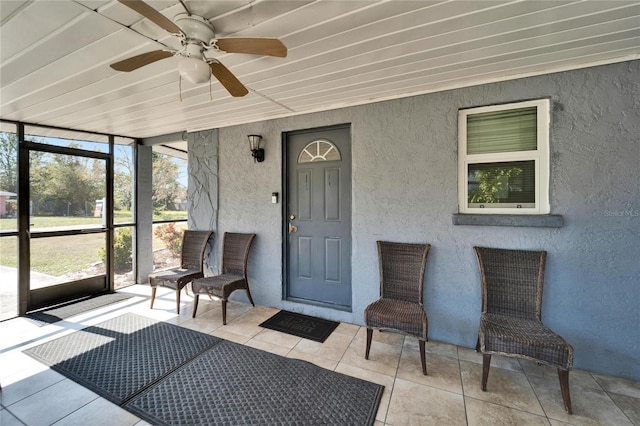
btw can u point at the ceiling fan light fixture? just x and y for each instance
(195, 70)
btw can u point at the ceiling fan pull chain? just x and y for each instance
(180, 88)
(210, 97)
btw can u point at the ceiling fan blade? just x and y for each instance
(228, 80)
(153, 15)
(254, 46)
(138, 61)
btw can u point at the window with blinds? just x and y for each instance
(503, 162)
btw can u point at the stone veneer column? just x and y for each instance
(202, 191)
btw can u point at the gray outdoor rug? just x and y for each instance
(223, 384)
(121, 357)
(67, 310)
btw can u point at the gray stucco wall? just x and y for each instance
(405, 189)
(202, 190)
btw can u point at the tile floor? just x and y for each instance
(519, 393)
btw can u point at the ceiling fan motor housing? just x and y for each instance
(196, 28)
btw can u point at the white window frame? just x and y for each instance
(540, 156)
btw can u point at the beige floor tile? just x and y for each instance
(383, 358)
(8, 419)
(414, 404)
(110, 414)
(618, 385)
(53, 403)
(347, 329)
(371, 376)
(241, 328)
(257, 314)
(470, 355)
(327, 363)
(576, 377)
(432, 347)
(590, 406)
(333, 348)
(558, 423)
(25, 383)
(387, 337)
(629, 406)
(442, 372)
(223, 333)
(339, 340)
(201, 324)
(268, 347)
(364, 374)
(482, 413)
(277, 338)
(504, 387)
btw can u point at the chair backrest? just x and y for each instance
(511, 281)
(193, 246)
(402, 267)
(235, 252)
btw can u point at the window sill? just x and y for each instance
(519, 220)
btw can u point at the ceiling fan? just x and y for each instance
(197, 36)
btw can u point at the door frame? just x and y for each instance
(285, 219)
(29, 299)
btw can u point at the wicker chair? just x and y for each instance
(192, 258)
(235, 252)
(400, 308)
(510, 323)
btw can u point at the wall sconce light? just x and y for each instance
(256, 151)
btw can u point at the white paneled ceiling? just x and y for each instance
(55, 56)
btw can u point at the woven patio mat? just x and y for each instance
(74, 308)
(312, 328)
(170, 375)
(233, 384)
(123, 356)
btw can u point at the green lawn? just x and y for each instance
(60, 255)
(56, 255)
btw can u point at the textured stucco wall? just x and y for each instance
(202, 190)
(144, 214)
(405, 189)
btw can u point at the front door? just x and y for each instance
(318, 217)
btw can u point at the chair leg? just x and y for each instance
(224, 312)
(195, 304)
(563, 375)
(153, 296)
(369, 336)
(178, 301)
(486, 362)
(249, 295)
(423, 357)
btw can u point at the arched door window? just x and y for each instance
(319, 150)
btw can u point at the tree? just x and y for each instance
(8, 162)
(166, 187)
(124, 178)
(493, 184)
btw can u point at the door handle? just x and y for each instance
(292, 228)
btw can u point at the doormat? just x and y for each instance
(312, 328)
(64, 311)
(170, 375)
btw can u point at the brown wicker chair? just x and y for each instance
(400, 308)
(235, 252)
(510, 323)
(192, 258)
